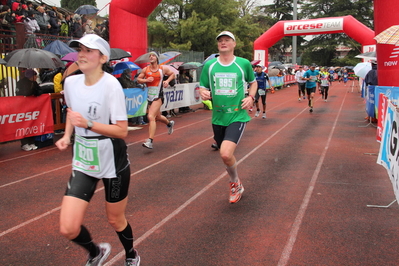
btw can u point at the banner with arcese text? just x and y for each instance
(22, 117)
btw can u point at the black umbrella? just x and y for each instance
(2, 62)
(86, 9)
(32, 58)
(278, 66)
(187, 66)
(275, 63)
(117, 54)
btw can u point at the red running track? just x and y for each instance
(308, 179)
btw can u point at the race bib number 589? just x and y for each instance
(226, 84)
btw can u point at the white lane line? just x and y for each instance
(135, 173)
(121, 254)
(286, 254)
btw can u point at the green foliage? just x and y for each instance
(74, 4)
(194, 24)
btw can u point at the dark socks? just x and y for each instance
(126, 238)
(84, 239)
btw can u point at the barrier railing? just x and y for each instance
(57, 104)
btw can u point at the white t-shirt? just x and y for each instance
(103, 102)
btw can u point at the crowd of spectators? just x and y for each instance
(47, 20)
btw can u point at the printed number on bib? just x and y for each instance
(86, 154)
(226, 84)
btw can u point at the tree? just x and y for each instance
(74, 4)
(194, 24)
(325, 44)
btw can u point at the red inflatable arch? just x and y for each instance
(128, 24)
(348, 24)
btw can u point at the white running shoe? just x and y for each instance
(170, 128)
(147, 144)
(133, 262)
(33, 146)
(105, 250)
(257, 113)
(264, 116)
(26, 147)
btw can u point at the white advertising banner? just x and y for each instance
(181, 95)
(389, 148)
(314, 26)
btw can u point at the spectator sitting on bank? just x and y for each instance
(185, 77)
(77, 30)
(54, 23)
(98, 29)
(7, 18)
(27, 86)
(42, 21)
(19, 16)
(88, 29)
(57, 80)
(126, 79)
(30, 23)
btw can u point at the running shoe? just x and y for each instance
(33, 146)
(105, 250)
(170, 127)
(215, 146)
(133, 262)
(257, 113)
(299, 99)
(236, 190)
(311, 109)
(26, 147)
(147, 144)
(304, 97)
(264, 116)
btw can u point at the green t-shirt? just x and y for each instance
(227, 84)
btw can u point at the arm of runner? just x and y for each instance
(205, 94)
(171, 75)
(118, 130)
(248, 101)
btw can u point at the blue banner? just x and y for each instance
(136, 102)
(370, 101)
(276, 81)
(392, 93)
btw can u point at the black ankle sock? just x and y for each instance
(151, 140)
(126, 238)
(84, 239)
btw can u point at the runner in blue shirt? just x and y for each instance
(311, 76)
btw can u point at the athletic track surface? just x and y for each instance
(308, 179)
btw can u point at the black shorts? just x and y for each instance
(233, 132)
(263, 97)
(82, 186)
(310, 90)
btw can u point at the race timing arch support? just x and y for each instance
(128, 25)
(347, 24)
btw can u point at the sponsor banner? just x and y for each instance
(314, 26)
(370, 101)
(389, 148)
(382, 109)
(181, 95)
(22, 117)
(276, 81)
(289, 79)
(391, 92)
(136, 101)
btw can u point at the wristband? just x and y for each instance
(253, 98)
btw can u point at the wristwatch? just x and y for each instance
(89, 124)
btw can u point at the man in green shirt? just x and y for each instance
(223, 79)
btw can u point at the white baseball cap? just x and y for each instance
(226, 33)
(93, 41)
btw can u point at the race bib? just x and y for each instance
(86, 155)
(261, 92)
(226, 84)
(152, 93)
(313, 78)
